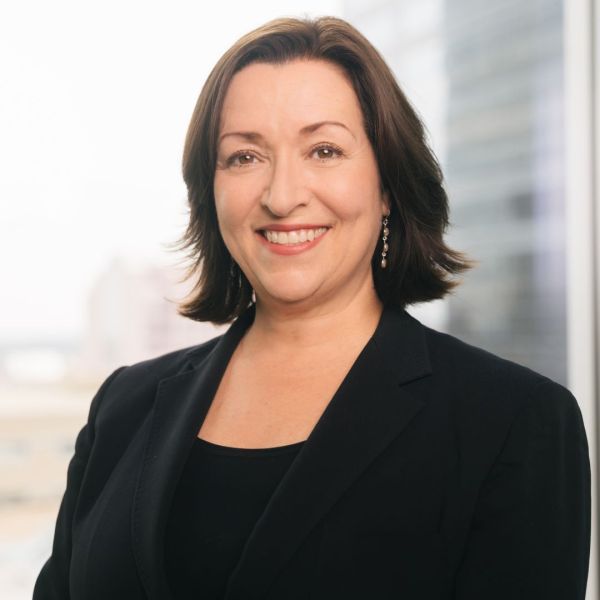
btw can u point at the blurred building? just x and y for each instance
(497, 127)
(409, 35)
(132, 316)
(506, 176)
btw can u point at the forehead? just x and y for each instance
(297, 91)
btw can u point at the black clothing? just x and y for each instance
(438, 471)
(220, 496)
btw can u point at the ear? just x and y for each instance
(386, 204)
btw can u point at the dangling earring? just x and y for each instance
(253, 296)
(385, 248)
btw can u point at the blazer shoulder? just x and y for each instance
(451, 355)
(169, 363)
(132, 388)
(491, 383)
(489, 393)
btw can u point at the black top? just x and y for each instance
(220, 496)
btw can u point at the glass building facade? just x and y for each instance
(496, 124)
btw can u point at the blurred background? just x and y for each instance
(94, 103)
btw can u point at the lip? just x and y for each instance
(291, 250)
(290, 227)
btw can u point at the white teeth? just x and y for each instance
(290, 238)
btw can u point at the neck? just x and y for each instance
(326, 327)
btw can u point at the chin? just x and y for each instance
(290, 298)
(289, 294)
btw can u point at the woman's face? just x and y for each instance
(293, 158)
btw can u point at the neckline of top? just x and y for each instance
(249, 452)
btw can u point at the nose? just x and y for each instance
(285, 189)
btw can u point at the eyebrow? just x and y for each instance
(253, 136)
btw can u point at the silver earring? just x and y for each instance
(385, 248)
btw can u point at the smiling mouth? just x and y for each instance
(294, 237)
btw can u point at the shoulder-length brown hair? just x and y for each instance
(419, 264)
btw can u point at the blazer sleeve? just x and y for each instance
(53, 580)
(530, 535)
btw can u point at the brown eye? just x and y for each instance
(327, 152)
(245, 157)
(240, 159)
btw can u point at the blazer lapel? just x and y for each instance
(181, 404)
(369, 410)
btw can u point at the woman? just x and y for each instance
(328, 445)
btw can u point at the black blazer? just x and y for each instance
(437, 471)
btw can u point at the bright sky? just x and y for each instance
(95, 99)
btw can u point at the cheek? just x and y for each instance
(227, 223)
(231, 209)
(355, 200)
